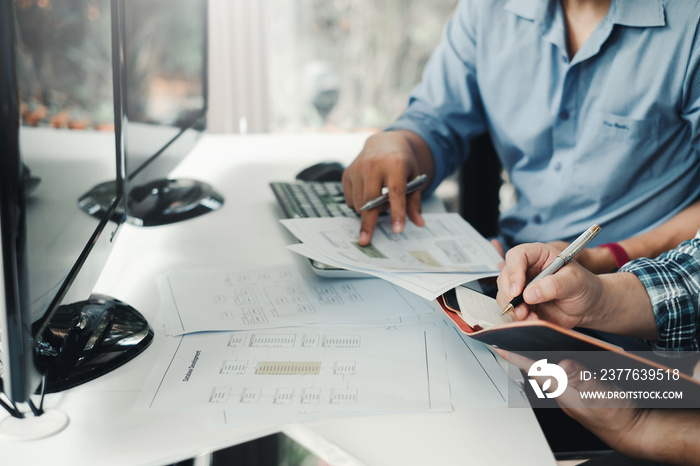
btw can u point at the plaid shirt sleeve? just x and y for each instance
(673, 284)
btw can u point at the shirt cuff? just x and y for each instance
(672, 306)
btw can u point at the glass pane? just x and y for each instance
(65, 68)
(347, 64)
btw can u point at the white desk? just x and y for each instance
(105, 430)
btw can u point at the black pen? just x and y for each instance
(562, 259)
(411, 186)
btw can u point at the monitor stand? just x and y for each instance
(81, 342)
(51, 422)
(87, 339)
(158, 202)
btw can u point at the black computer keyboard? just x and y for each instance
(312, 199)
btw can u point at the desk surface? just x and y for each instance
(105, 430)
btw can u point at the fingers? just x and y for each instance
(387, 160)
(369, 216)
(396, 184)
(549, 288)
(573, 283)
(572, 369)
(360, 185)
(523, 263)
(571, 398)
(414, 209)
(367, 223)
(348, 182)
(511, 281)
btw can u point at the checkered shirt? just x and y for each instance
(673, 283)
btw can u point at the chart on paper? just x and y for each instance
(303, 371)
(276, 297)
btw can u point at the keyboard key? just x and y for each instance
(312, 199)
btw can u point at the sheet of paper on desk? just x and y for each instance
(230, 299)
(447, 243)
(310, 370)
(476, 380)
(426, 285)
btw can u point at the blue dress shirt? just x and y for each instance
(610, 136)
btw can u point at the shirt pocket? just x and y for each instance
(625, 130)
(615, 154)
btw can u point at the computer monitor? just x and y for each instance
(53, 333)
(160, 88)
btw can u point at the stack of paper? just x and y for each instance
(290, 346)
(278, 345)
(427, 260)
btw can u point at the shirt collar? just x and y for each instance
(541, 12)
(637, 13)
(527, 9)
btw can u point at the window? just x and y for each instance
(317, 65)
(274, 65)
(64, 63)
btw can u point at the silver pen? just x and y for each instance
(562, 259)
(411, 186)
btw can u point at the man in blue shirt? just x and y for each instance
(594, 110)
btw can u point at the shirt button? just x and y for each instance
(564, 115)
(557, 166)
(538, 219)
(564, 59)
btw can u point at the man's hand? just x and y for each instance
(667, 436)
(619, 423)
(389, 159)
(569, 297)
(663, 435)
(573, 296)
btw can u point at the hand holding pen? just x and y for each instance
(388, 159)
(412, 186)
(399, 203)
(564, 298)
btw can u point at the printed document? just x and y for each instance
(303, 370)
(447, 243)
(234, 299)
(426, 285)
(476, 380)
